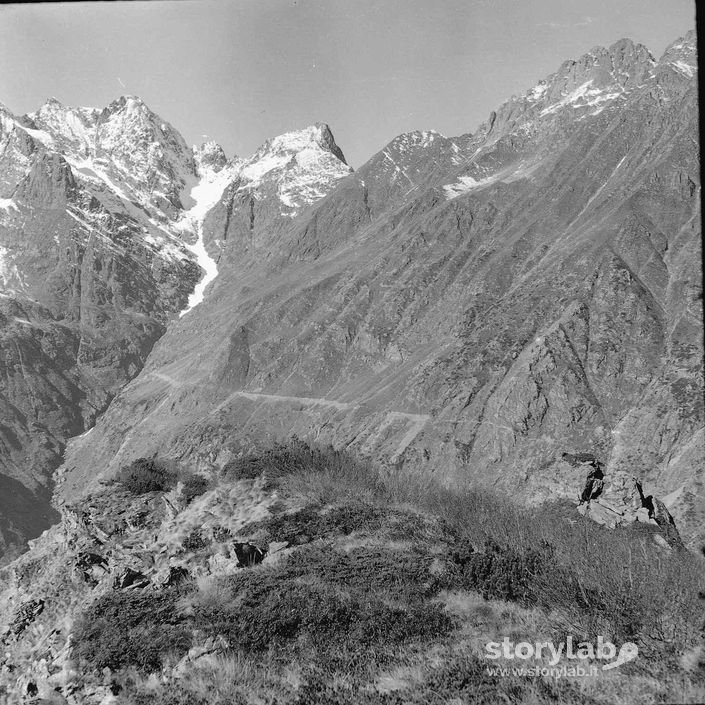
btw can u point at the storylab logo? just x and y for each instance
(564, 659)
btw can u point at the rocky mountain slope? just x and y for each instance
(467, 309)
(100, 247)
(513, 309)
(300, 576)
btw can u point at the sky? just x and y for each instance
(242, 71)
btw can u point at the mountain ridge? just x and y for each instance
(296, 203)
(371, 354)
(470, 369)
(100, 234)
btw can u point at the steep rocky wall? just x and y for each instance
(83, 299)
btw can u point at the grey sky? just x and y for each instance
(242, 71)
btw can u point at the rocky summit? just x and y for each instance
(517, 310)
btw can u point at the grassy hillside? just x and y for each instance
(382, 591)
(375, 589)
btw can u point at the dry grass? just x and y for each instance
(381, 601)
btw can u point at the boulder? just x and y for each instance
(25, 615)
(248, 554)
(129, 578)
(602, 513)
(177, 575)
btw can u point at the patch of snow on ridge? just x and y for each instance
(206, 194)
(537, 92)
(465, 184)
(254, 171)
(687, 69)
(44, 137)
(88, 168)
(582, 96)
(9, 272)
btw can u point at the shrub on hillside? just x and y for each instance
(130, 629)
(194, 486)
(195, 541)
(502, 572)
(312, 523)
(256, 612)
(391, 574)
(147, 475)
(297, 459)
(155, 475)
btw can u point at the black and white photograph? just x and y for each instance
(351, 353)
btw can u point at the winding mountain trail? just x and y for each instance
(417, 421)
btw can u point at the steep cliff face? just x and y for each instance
(465, 308)
(101, 246)
(89, 282)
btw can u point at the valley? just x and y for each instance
(412, 365)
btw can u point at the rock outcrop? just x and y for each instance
(248, 554)
(623, 501)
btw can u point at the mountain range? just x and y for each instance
(465, 307)
(475, 311)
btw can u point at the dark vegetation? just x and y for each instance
(195, 541)
(272, 610)
(195, 486)
(147, 475)
(154, 475)
(343, 612)
(133, 628)
(298, 462)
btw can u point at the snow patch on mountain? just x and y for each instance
(9, 273)
(40, 135)
(684, 68)
(465, 184)
(301, 167)
(256, 170)
(538, 91)
(94, 172)
(205, 194)
(582, 96)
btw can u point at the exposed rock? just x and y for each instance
(658, 511)
(212, 646)
(91, 566)
(177, 575)
(25, 615)
(248, 554)
(129, 578)
(603, 513)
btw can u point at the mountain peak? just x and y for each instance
(317, 137)
(687, 43)
(682, 55)
(209, 156)
(622, 66)
(300, 166)
(128, 100)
